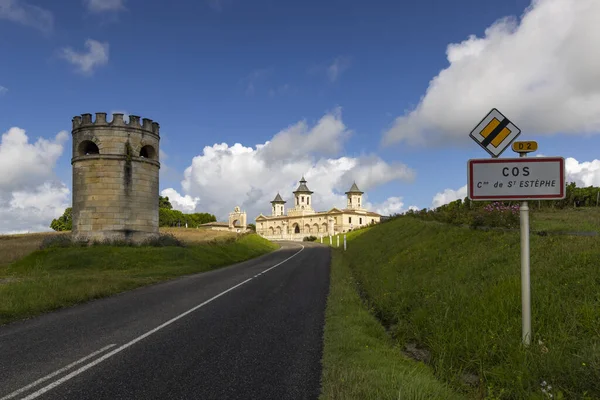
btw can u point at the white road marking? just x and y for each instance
(58, 372)
(145, 335)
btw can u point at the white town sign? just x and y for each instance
(539, 178)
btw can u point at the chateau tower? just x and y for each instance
(302, 197)
(354, 198)
(115, 177)
(277, 204)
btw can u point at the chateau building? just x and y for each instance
(302, 220)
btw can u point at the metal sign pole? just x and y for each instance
(525, 281)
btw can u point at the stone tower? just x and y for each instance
(277, 204)
(115, 178)
(354, 198)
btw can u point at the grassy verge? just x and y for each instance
(456, 293)
(570, 220)
(58, 277)
(360, 361)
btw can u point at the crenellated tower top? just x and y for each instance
(85, 121)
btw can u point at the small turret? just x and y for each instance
(354, 197)
(277, 206)
(302, 196)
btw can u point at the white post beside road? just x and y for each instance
(525, 281)
(321, 238)
(344, 242)
(338, 240)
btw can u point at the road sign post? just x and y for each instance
(525, 275)
(540, 178)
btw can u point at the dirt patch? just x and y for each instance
(8, 280)
(411, 350)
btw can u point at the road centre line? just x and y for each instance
(145, 335)
(57, 372)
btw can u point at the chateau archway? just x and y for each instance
(296, 228)
(237, 220)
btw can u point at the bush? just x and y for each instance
(496, 215)
(63, 241)
(57, 241)
(309, 239)
(164, 240)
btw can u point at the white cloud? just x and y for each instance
(30, 196)
(86, 62)
(540, 73)
(392, 205)
(297, 140)
(254, 78)
(280, 90)
(104, 5)
(224, 176)
(332, 70)
(32, 210)
(583, 174)
(3, 90)
(25, 165)
(186, 204)
(448, 196)
(337, 67)
(27, 14)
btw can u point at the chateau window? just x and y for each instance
(303, 199)
(360, 220)
(349, 220)
(308, 200)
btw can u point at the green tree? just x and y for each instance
(64, 222)
(163, 202)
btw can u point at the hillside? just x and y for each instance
(451, 295)
(42, 280)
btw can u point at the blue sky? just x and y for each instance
(235, 71)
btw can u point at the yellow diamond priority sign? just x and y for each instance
(495, 133)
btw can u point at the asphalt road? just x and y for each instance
(248, 331)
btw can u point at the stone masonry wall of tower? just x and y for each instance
(115, 178)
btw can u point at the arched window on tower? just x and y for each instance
(148, 152)
(87, 147)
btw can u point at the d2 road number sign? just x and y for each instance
(539, 178)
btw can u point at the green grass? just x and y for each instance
(457, 292)
(575, 219)
(360, 361)
(53, 278)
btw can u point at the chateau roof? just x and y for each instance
(278, 199)
(303, 188)
(354, 189)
